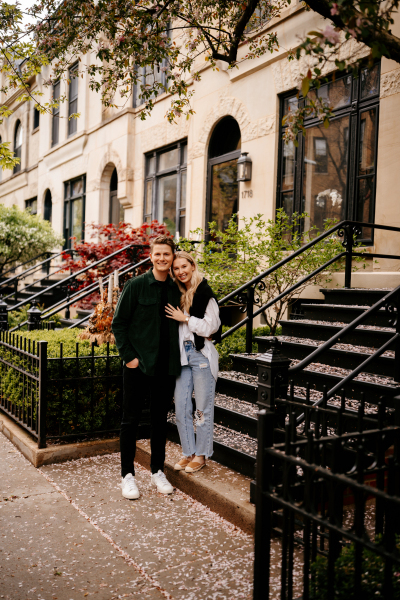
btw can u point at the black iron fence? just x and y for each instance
(344, 553)
(61, 391)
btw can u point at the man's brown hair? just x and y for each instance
(164, 240)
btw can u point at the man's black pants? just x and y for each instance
(159, 390)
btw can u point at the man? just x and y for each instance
(148, 343)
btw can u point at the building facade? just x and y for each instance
(109, 165)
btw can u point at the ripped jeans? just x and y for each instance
(196, 374)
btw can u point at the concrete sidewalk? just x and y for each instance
(66, 533)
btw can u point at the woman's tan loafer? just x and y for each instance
(184, 462)
(194, 466)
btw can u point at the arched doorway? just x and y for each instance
(48, 206)
(116, 210)
(222, 185)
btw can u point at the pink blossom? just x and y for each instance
(331, 35)
(334, 9)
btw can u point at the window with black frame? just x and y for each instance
(18, 145)
(73, 99)
(148, 76)
(55, 125)
(332, 172)
(74, 210)
(165, 187)
(36, 118)
(31, 205)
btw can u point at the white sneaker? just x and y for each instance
(129, 488)
(162, 483)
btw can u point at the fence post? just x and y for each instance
(348, 244)
(3, 315)
(273, 377)
(42, 403)
(249, 324)
(34, 315)
(264, 507)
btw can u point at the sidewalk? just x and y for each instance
(66, 533)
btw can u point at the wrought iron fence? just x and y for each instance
(58, 397)
(344, 554)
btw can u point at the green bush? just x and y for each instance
(236, 344)
(15, 317)
(373, 571)
(70, 409)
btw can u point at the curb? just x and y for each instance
(222, 490)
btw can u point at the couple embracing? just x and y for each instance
(163, 325)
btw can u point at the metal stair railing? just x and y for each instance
(30, 271)
(68, 280)
(245, 293)
(27, 262)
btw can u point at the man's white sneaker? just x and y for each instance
(162, 483)
(129, 488)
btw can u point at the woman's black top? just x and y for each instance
(201, 298)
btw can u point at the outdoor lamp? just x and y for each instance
(244, 164)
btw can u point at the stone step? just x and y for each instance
(354, 296)
(343, 313)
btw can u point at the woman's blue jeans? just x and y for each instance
(196, 374)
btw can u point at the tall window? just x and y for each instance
(149, 76)
(165, 187)
(73, 99)
(31, 205)
(116, 211)
(74, 210)
(48, 206)
(55, 130)
(18, 145)
(332, 172)
(222, 185)
(36, 118)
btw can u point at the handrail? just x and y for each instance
(344, 331)
(25, 263)
(74, 275)
(35, 282)
(35, 266)
(127, 270)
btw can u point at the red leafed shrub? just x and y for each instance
(106, 240)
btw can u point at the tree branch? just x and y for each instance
(375, 34)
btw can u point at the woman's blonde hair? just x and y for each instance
(197, 278)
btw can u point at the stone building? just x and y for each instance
(109, 164)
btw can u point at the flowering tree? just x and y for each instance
(23, 236)
(106, 240)
(155, 46)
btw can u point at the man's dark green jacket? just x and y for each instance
(137, 322)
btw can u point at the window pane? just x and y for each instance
(224, 193)
(183, 190)
(290, 104)
(288, 165)
(370, 82)
(55, 129)
(151, 165)
(169, 160)
(77, 187)
(36, 118)
(31, 205)
(182, 223)
(72, 123)
(324, 192)
(366, 157)
(184, 154)
(73, 86)
(149, 196)
(76, 219)
(365, 204)
(337, 93)
(167, 188)
(287, 205)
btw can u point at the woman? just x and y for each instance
(198, 318)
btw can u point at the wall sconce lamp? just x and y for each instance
(244, 167)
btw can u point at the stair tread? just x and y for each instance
(346, 306)
(350, 403)
(312, 344)
(336, 324)
(240, 406)
(238, 377)
(341, 373)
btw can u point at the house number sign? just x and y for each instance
(247, 194)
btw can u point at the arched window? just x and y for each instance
(116, 213)
(48, 206)
(18, 145)
(222, 185)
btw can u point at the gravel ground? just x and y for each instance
(330, 370)
(341, 324)
(237, 376)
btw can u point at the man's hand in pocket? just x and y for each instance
(133, 364)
